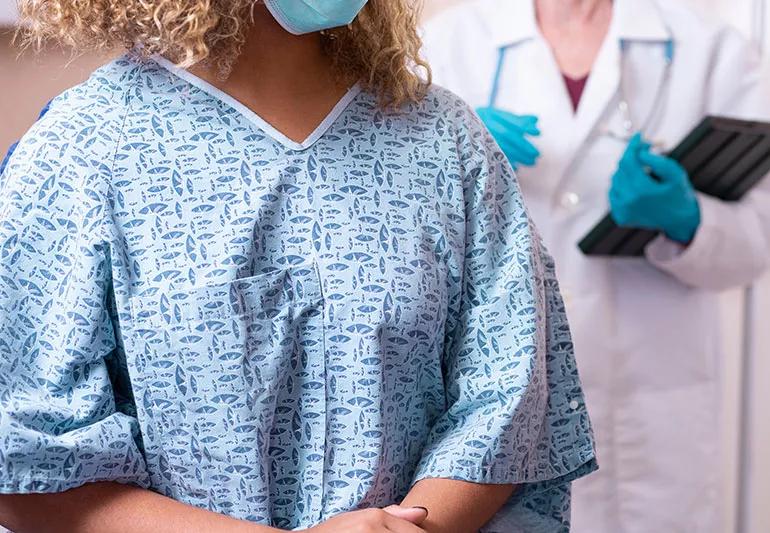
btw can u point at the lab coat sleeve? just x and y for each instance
(60, 426)
(452, 63)
(516, 413)
(732, 245)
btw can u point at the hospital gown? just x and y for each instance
(278, 331)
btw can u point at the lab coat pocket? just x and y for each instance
(228, 368)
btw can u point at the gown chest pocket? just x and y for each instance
(222, 368)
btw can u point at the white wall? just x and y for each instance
(7, 12)
(759, 461)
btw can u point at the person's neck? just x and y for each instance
(575, 31)
(570, 12)
(286, 79)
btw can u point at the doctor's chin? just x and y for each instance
(377, 266)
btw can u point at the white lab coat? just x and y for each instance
(646, 331)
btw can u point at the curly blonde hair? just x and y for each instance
(380, 48)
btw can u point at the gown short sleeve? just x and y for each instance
(515, 408)
(12, 148)
(61, 422)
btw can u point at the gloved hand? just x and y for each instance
(510, 132)
(639, 200)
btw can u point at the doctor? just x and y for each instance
(573, 80)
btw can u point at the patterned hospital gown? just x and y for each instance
(278, 331)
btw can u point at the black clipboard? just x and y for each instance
(724, 157)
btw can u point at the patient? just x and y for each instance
(260, 276)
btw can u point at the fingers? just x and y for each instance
(510, 132)
(635, 146)
(630, 184)
(523, 124)
(398, 525)
(519, 151)
(528, 124)
(415, 515)
(663, 167)
(633, 176)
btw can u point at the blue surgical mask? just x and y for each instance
(308, 16)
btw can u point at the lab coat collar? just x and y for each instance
(639, 20)
(632, 21)
(513, 21)
(510, 21)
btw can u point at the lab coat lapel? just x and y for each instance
(602, 87)
(644, 80)
(600, 92)
(633, 22)
(540, 92)
(536, 91)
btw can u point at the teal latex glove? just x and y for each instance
(511, 131)
(639, 200)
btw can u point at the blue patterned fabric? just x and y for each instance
(12, 148)
(274, 331)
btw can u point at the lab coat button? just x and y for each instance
(570, 200)
(574, 404)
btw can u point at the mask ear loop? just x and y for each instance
(498, 72)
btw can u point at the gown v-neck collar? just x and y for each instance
(253, 117)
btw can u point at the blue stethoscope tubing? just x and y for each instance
(496, 79)
(623, 104)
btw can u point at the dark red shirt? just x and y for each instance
(575, 89)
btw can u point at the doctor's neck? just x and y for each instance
(571, 12)
(575, 30)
